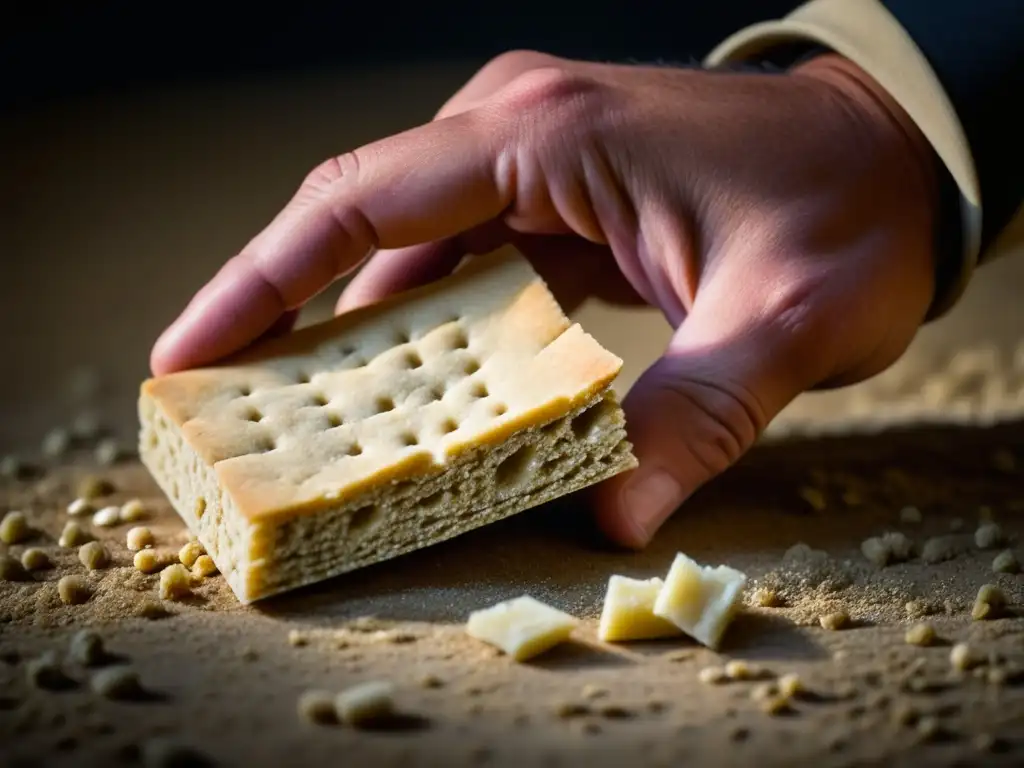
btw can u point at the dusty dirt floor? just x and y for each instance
(117, 210)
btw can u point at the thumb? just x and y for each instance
(729, 369)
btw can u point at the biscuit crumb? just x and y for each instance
(591, 691)
(1006, 562)
(147, 561)
(712, 675)
(566, 710)
(175, 582)
(13, 468)
(11, 569)
(93, 556)
(94, 487)
(79, 507)
(910, 515)
(790, 685)
(939, 549)
(365, 704)
(737, 669)
(996, 676)
(139, 538)
(120, 682)
(14, 528)
(35, 559)
(963, 657)
(765, 597)
(73, 590)
(56, 443)
(921, 634)
(764, 691)
(72, 535)
(86, 648)
(989, 536)
(429, 680)
(918, 608)
(297, 639)
(108, 452)
(107, 517)
(887, 549)
(989, 604)
(776, 705)
(317, 707)
(189, 553)
(204, 567)
(133, 511)
(835, 621)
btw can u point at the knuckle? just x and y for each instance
(513, 63)
(548, 90)
(333, 170)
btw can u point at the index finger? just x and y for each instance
(428, 183)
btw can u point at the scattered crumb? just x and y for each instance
(921, 634)
(996, 676)
(591, 691)
(94, 487)
(190, 553)
(887, 549)
(317, 707)
(152, 610)
(989, 536)
(989, 604)
(118, 682)
(566, 710)
(204, 567)
(133, 511)
(910, 515)
(175, 582)
(764, 691)
(429, 680)
(14, 468)
(107, 517)
(765, 597)
(835, 621)
(93, 555)
(963, 657)
(939, 549)
(297, 639)
(72, 535)
(712, 675)
(108, 452)
(11, 569)
(681, 655)
(56, 443)
(737, 669)
(918, 608)
(790, 685)
(1006, 562)
(148, 561)
(86, 648)
(365, 704)
(35, 559)
(73, 590)
(139, 538)
(14, 528)
(79, 507)
(776, 705)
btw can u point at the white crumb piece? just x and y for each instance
(11, 569)
(766, 597)
(139, 538)
(764, 691)
(910, 515)
(86, 648)
(776, 705)
(590, 691)
(790, 685)
(108, 452)
(204, 567)
(72, 535)
(939, 549)
(175, 582)
(133, 511)
(118, 682)
(989, 604)
(190, 553)
(93, 555)
(14, 528)
(921, 634)
(737, 669)
(1006, 562)
(989, 536)
(297, 639)
(701, 600)
(365, 704)
(73, 590)
(148, 561)
(523, 627)
(317, 707)
(889, 548)
(56, 443)
(79, 507)
(35, 559)
(628, 612)
(107, 517)
(963, 657)
(712, 675)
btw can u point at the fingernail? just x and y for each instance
(648, 500)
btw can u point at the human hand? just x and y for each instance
(782, 223)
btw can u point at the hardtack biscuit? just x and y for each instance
(386, 429)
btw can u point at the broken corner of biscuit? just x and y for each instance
(386, 429)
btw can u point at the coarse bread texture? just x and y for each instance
(386, 429)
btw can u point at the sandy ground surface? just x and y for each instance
(116, 211)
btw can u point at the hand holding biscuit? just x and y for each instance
(783, 223)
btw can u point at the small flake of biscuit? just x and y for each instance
(73, 590)
(14, 528)
(35, 559)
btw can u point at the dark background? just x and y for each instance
(57, 50)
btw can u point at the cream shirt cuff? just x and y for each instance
(865, 32)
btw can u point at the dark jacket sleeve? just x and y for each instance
(976, 48)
